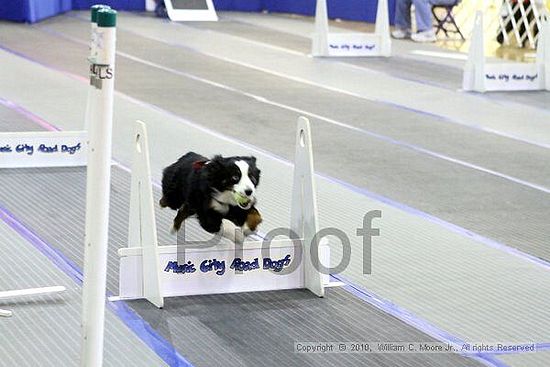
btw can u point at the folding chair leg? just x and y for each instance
(458, 30)
(448, 18)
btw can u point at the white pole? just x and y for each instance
(382, 28)
(93, 95)
(320, 37)
(93, 54)
(97, 192)
(474, 69)
(543, 53)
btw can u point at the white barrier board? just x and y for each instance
(43, 149)
(216, 270)
(327, 44)
(510, 76)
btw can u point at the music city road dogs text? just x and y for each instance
(31, 149)
(219, 267)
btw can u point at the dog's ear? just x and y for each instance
(252, 159)
(215, 172)
(216, 163)
(217, 159)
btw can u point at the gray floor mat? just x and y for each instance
(11, 121)
(278, 138)
(460, 195)
(399, 66)
(241, 329)
(45, 330)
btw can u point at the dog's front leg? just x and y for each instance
(213, 223)
(253, 219)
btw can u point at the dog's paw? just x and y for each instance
(232, 232)
(173, 230)
(246, 230)
(253, 219)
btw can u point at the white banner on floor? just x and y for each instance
(43, 149)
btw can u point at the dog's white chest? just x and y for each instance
(219, 207)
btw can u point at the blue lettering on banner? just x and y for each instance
(276, 265)
(354, 46)
(5, 149)
(70, 149)
(210, 265)
(25, 148)
(238, 264)
(29, 149)
(177, 268)
(46, 149)
(514, 77)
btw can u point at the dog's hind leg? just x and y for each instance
(183, 214)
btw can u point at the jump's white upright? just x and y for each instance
(97, 191)
(480, 76)
(325, 43)
(142, 231)
(152, 272)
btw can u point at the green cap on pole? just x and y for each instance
(94, 9)
(106, 18)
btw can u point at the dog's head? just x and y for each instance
(234, 180)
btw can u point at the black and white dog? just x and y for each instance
(213, 189)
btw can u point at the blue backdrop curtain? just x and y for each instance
(35, 10)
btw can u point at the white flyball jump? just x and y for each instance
(480, 76)
(152, 272)
(100, 119)
(328, 44)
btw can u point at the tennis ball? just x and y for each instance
(241, 199)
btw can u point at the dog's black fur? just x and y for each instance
(196, 185)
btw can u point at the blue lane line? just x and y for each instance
(131, 319)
